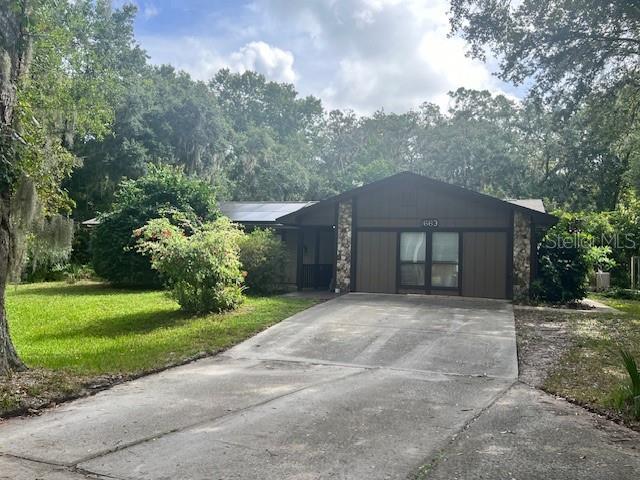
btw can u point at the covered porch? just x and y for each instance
(315, 258)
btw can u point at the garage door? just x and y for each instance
(484, 264)
(376, 262)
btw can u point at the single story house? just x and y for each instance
(406, 234)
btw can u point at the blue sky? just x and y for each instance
(354, 54)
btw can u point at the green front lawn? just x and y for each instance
(90, 329)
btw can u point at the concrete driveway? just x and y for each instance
(360, 387)
(363, 386)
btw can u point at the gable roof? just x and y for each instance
(539, 216)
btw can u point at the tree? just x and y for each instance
(15, 50)
(60, 73)
(580, 58)
(249, 100)
(478, 145)
(164, 192)
(567, 47)
(273, 136)
(165, 117)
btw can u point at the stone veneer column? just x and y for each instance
(521, 256)
(343, 253)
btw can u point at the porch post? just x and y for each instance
(522, 256)
(316, 257)
(299, 258)
(343, 250)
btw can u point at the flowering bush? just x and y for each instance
(163, 192)
(202, 271)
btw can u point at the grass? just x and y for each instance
(90, 329)
(591, 372)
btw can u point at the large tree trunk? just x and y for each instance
(9, 360)
(15, 56)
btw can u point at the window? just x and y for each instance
(444, 260)
(413, 249)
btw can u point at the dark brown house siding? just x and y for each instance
(404, 206)
(370, 222)
(484, 264)
(376, 263)
(407, 204)
(323, 215)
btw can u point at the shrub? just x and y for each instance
(81, 246)
(628, 397)
(163, 192)
(202, 271)
(619, 232)
(264, 258)
(622, 294)
(75, 273)
(562, 265)
(112, 247)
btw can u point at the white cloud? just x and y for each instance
(392, 54)
(273, 62)
(358, 54)
(199, 57)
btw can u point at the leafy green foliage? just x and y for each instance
(273, 135)
(578, 58)
(163, 192)
(249, 100)
(113, 254)
(562, 264)
(258, 140)
(264, 259)
(631, 394)
(611, 237)
(622, 294)
(569, 47)
(202, 271)
(166, 117)
(48, 249)
(83, 57)
(75, 273)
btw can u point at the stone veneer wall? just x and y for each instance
(521, 256)
(343, 254)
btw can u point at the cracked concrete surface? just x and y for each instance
(363, 386)
(527, 434)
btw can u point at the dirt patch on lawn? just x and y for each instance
(575, 356)
(29, 391)
(543, 338)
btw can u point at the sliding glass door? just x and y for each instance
(429, 260)
(413, 256)
(444, 259)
